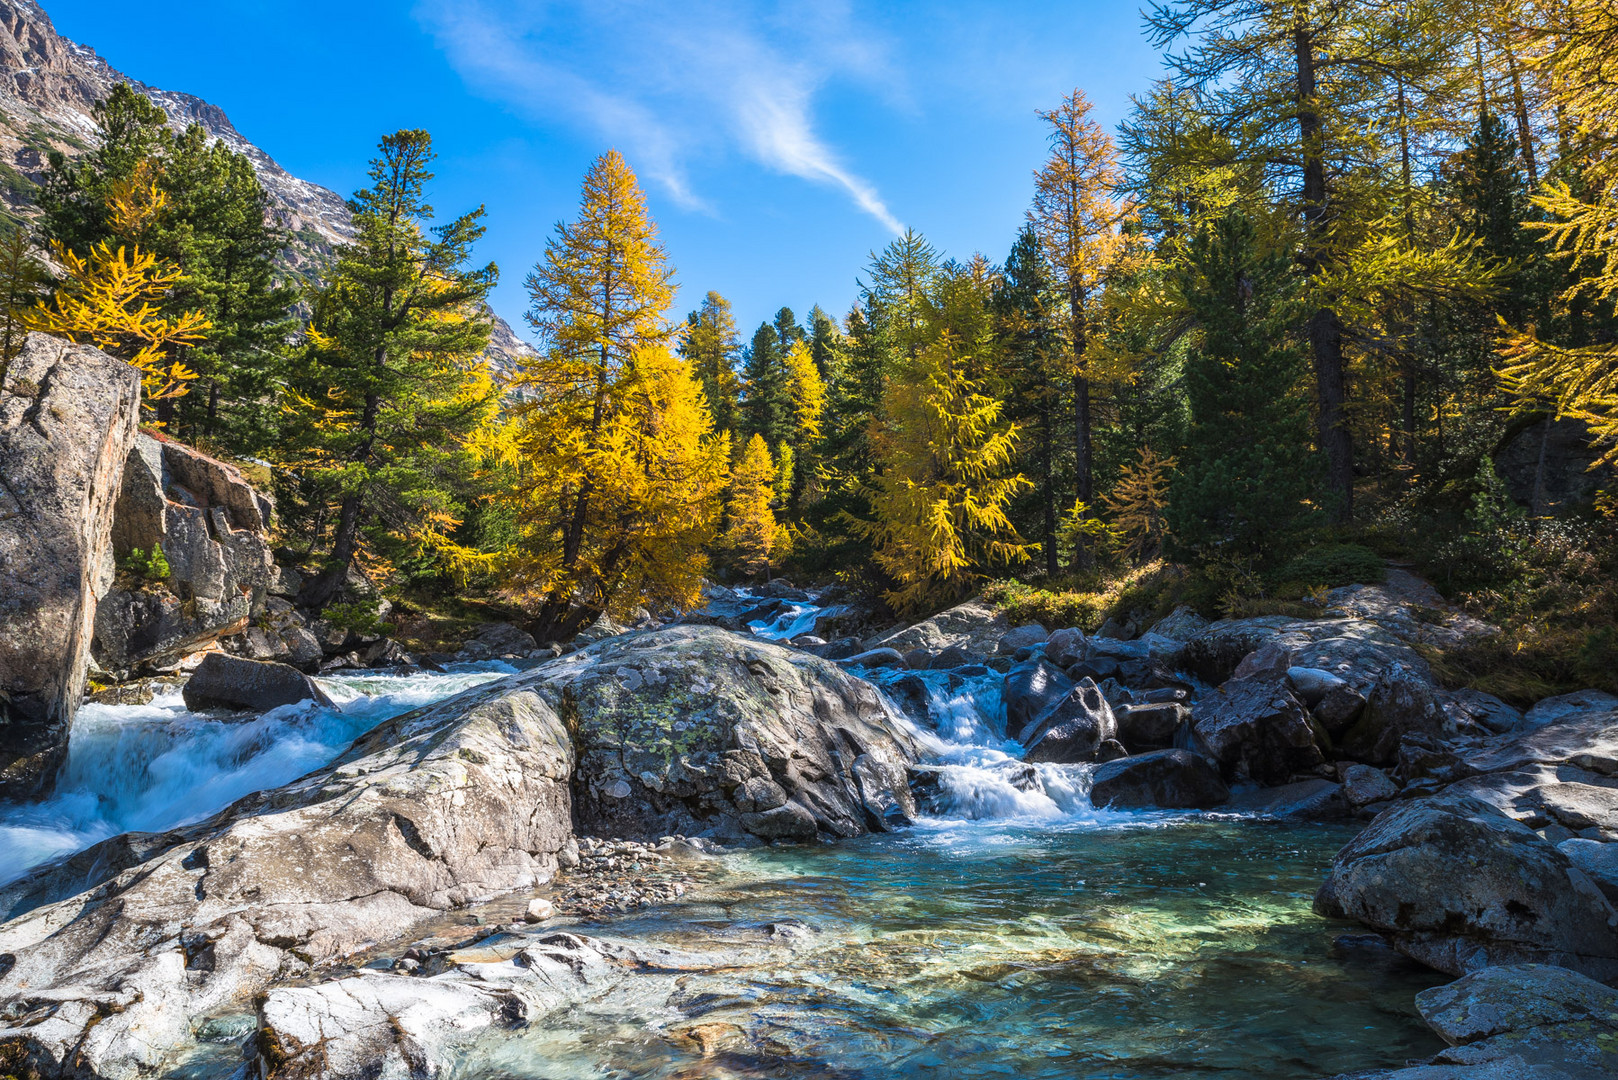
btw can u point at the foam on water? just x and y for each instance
(152, 767)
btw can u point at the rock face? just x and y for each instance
(1519, 1022)
(1459, 886)
(117, 948)
(227, 682)
(212, 527)
(373, 1023)
(1546, 466)
(695, 730)
(1170, 779)
(67, 422)
(1031, 689)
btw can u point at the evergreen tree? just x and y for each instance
(388, 386)
(1246, 471)
(948, 460)
(711, 347)
(215, 228)
(899, 291)
(767, 388)
(22, 285)
(618, 474)
(826, 344)
(1033, 398)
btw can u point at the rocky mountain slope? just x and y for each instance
(48, 89)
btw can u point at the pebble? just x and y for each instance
(540, 909)
(616, 876)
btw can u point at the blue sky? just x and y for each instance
(779, 143)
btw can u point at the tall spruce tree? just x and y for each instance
(1247, 470)
(1029, 350)
(711, 348)
(389, 385)
(767, 389)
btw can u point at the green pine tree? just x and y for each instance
(1247, 469)
(388, 384)
(711, 347)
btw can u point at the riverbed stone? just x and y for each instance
(118, 947)
(1031, 689)
(1066, 647)
(1363, 785)
(1073, 728)
(1554, 709)
(1150, 725)
(1457, 885)
(1257, 730)
(1166, 779)
(975, 626)
(1399, 705)
(67, 422)
(1022, 637)
(375, 1024)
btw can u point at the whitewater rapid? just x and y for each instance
(146, 768)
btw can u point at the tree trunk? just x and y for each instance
(1525, 129)
(1325, 327)
(320, 590)
(1048, 470)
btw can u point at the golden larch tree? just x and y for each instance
(1080, 225)
(750, 539)
(618, 475)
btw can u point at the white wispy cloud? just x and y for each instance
(673, 82)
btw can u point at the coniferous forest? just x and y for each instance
(1180, 639)
(1285, 321)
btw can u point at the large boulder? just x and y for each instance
(975, 626)
(212, 527)
(671, 724)
(1073, 729)
(1399, 705)
(1214, 652)
(1257, 730)
(1459, 886)
(1150, 725)
(229, 682)
(112, 952)
(67, 421)
(1031, 689)
(1168, 779)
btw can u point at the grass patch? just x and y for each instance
(1144, 593)
(428, 622)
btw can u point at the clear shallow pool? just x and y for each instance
(1156, 948)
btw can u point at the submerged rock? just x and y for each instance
(67, 421)
(1168, 779)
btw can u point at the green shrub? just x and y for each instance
(359, 617)
(153, 567)
(1330, 565)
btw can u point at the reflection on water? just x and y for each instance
(1159, 948)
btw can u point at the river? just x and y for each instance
(1015, 932)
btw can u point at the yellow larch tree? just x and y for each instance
(1575, 49)
(1080, 224)
(617, 473)
(750, 539)
(111, 298)
(948, 461)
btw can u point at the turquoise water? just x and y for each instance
(1166, 948)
